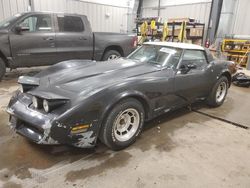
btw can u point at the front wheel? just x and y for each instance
(219, 92)
(123, 124)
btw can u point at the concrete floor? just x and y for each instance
(179, 149)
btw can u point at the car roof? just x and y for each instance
(177, 45)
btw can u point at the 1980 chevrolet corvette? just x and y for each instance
(76, 102)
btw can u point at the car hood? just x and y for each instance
(81, 77)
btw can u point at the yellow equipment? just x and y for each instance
(165, 31)
(144, 30)
(152, 25)
(153, 29)
(183, 33)
(236, 50)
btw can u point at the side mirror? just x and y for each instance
(191, 66)
(186, 68)
(18, 29)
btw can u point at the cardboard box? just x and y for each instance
(180, 20)
(196, 32)
(176, 32)
(197, 41)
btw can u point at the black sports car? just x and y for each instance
(76, 102)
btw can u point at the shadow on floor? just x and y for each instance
(18, 154)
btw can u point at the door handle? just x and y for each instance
(82, 38)
(48, 38)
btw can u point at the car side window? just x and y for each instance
(70, 24)
(196, 57)
(174, 59)
(36, 23)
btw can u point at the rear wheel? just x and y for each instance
(2, 69)
(123, 124)
(111, 55)
(219, 92)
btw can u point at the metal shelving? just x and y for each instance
(194, 30)
(236, 50)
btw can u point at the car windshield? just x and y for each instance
(160, 55)
(6, 22)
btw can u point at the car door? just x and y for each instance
(169, 70)
(73, 39)
(34, 43)
(163, 87)
(192, 76)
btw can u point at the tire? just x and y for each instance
(219, 92)
(121, 129)
(2, 69)
(110, 55)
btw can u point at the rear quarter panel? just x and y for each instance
(104, 40)
(220, 67)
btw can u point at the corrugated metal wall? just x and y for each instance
(102, 17)
(241, 25)
(11, 7)
(199, 11)
(110, 18)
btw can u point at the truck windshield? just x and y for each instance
(161, 55)
(6, 22)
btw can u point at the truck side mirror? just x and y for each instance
(18, 29)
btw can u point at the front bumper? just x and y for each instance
(43, 128)
(28, 122)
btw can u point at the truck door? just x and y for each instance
(34, 42)
(192, 79)
(74, 38)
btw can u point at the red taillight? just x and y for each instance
(134, 41)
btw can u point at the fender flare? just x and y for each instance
(124, 95)
(226, 73)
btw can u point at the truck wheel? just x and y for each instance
(123, 124)
(110, 55)
(2, 69)
(219, 92)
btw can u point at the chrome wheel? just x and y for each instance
(112, 57)
(221, 92)
(126, 124)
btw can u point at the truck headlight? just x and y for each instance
(46, 105)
